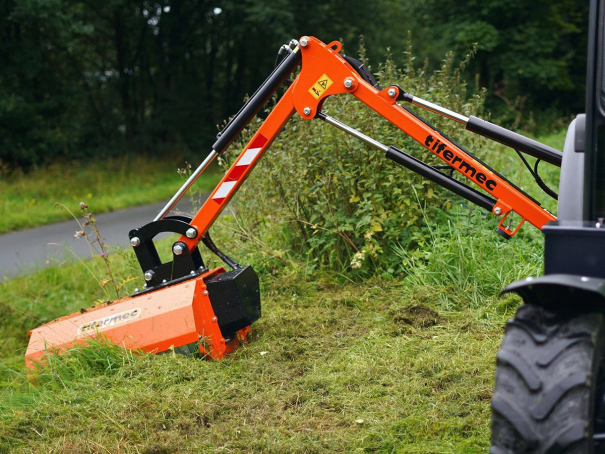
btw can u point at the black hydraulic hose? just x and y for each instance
(514, 140)
(215, 250)
(258, 99)
(440, 178)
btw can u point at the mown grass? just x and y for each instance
(333, 366)
(113, 184)
(401, 365)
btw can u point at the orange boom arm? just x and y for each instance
(326, 73)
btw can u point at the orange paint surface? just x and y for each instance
(157, 321)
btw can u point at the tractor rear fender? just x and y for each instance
(571, 187)
(561, 291)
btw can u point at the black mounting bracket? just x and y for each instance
(184, 263)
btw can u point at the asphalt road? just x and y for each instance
(29, 250)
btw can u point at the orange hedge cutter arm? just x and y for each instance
(325, 73)
(188, 308)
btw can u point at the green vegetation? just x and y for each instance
(371, 365)
(380, 300)
(141, 77)
(333, 365)
(331, 200)
(107, 185)
(376, 365)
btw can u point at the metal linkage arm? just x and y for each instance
(326, 73)
(416, 165)
(491, 131)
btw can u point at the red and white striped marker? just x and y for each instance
(241, 166)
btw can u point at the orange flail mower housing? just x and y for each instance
(179, 317)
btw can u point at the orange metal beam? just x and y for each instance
(324, 73)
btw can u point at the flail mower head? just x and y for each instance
(208, 314)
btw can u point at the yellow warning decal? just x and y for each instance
(319, 87)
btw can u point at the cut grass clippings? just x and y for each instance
(29, 200)
(403, 365)
(333, 366)
(326, 371)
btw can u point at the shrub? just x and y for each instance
(330, 200)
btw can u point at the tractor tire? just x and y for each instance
(548, 394)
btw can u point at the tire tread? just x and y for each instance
(544, 392)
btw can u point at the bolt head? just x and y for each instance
(178, 249)
(214, 319)
(164, 281)
(497, 211)
(584, 279)
(392, 92)
(307, 111)
(191, 233)
(192, 273)
(135, 241)
(149, 275)
(304, 42)
(348, 83)
(205, 292)
(136, 290)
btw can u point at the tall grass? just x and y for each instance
(469, 260)
(28, 200)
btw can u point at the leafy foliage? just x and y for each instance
(332, 200)
(534, 51)
(81, 78)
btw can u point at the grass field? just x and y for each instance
(333, 366)
(29, 200)
(402, 365)
(377, 366)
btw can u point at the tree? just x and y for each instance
(535, 49)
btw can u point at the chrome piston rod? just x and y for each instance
(354, 132)
(439, 110)
(194, 176)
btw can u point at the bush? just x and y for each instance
(330, 200)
